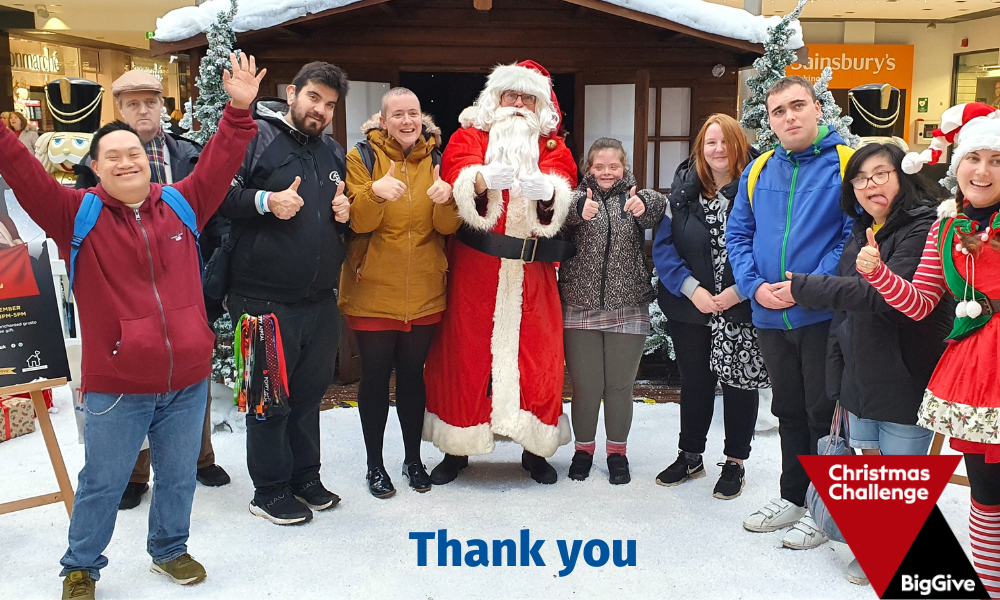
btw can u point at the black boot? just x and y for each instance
(379, 483)
(417, 475)
(579, 469)
(132, 495)
(447, 470)
(213, 476)
(618, 469)
(540, 470)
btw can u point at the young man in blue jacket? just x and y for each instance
(787, 218)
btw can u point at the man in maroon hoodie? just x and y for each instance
(147, 346)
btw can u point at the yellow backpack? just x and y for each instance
(844, 153)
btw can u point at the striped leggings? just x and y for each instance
(984, 520)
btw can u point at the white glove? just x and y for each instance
(536, 187)
(498, 176)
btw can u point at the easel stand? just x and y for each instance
(65, 493)
(936, 445)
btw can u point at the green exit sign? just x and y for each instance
(150, 34)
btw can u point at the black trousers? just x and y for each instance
(796, 362)
(380, 351)
(283, 449)
(984, 479)
(693, 347)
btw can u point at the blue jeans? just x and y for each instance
(890, 438)
(113, 433)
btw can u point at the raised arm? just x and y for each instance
(918, 298)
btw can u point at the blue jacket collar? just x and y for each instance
(826, 139)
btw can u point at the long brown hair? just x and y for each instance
(737, 147)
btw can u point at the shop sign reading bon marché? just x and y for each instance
(46, 62)
(858, 64)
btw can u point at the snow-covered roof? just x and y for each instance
(253, 15)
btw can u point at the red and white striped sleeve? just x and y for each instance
(918, 298)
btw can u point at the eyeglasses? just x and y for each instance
(510, 97)
(879, 178)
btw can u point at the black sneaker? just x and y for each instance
(315, 495)
(618, 469)
(133, 495)
(731, 481)
(539, 468)
(579, 469)
(447, 470)
(213, 476)
(416, 474)
(379, 483)
(280, 508)
(687, 466)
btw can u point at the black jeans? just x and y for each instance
(380, 351)
(796, 362)
(693, 347)
(283, 449)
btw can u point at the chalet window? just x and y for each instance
(610, 113)
(668, 134)
(364, 101)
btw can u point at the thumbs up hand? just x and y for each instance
(286, 203)
(497, 175)
(869, 257)
(634, 204)
(440, 191)
(388, 187)
(590, 207)
(341, 205)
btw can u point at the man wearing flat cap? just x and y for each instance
(139, 97)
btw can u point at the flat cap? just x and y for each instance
(136, 81)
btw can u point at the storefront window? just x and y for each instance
(34, 64)
(977, 78)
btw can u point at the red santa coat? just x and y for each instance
(495, 369)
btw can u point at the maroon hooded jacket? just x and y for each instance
(137, 283)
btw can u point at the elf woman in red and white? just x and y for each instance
(962, 257)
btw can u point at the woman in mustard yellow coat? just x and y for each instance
(392, 287)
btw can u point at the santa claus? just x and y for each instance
(495, 370)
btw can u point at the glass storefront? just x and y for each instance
(977, 78)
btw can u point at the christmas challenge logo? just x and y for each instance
(885, 507)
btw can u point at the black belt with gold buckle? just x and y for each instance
(530, 249)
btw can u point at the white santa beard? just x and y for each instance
(514, 140)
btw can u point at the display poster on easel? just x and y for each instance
(31, 337)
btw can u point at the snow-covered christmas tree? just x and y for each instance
(831, 112)
(186, 121)
(223, 361)
(770, 67)
(658, 337)
(164, 118)
(212, 96)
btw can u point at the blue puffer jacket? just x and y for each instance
(795, 224)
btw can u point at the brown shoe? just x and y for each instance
(78, 586)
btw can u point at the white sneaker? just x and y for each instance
(804, 535)
(855, 574)
(776, 514)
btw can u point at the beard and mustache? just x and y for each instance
(514, 139)
(314, 127)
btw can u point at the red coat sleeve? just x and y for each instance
(466, 147)
(558, 161)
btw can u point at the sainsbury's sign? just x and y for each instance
(858, 64)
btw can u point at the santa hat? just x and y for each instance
(528, 77)
(971, 126)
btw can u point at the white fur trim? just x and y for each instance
(467, 118)
(986, 141)
(460, 441)
(464, 191)
(947, 209)
(913, 162)
(561, 207)
(520, 79)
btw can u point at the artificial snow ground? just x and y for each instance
(689, 545)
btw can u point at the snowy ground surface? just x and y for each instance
(689, 545)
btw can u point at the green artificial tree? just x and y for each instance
(164, 118)
(223, 358)
(831, 112)
(658, 338)
(769, 68)
(185, 122)
(212, 96)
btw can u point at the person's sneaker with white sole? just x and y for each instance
(776, 514)
(855, 574)
(804, 535)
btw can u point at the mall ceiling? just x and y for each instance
(125, 22)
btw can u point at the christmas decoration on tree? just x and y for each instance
(212, 96)
(223, 361)
(831, 112)
(769, 68)
(658, 338)
(186, 121)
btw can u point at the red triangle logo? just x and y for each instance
(880, 503)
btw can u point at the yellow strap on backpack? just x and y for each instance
(844, 154)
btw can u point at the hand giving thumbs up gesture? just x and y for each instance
(440, 191)
(869, 257)
(388, 187)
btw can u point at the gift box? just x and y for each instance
(17, 417)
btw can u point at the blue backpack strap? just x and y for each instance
(86, 217)
(179, 204)
(367, 155)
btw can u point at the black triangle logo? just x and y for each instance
(936, 566)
